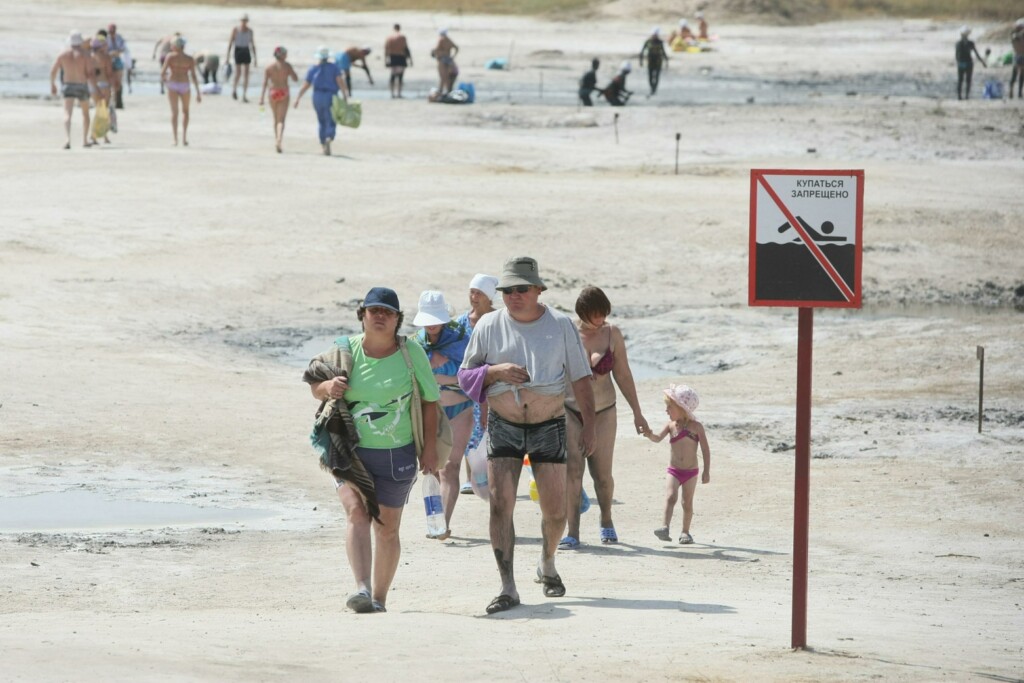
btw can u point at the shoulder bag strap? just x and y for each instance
(417, 406)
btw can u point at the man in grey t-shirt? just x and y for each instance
(523, 359)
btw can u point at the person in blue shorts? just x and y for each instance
(326, 80)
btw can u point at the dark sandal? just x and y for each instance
(502, 603)
(553, 586)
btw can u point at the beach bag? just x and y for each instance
(444, 427)
(101, 120)
(993, 90)
(349, 114)
(469, 90)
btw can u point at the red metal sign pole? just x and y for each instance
(802, 493)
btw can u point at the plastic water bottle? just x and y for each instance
(433, 506)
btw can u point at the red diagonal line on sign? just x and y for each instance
(816, 251)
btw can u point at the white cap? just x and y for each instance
(75, 38)
(488, 284)
(682, 23)
(323, 52)
(655, 31)
(965, 30)
(1019, 22)
(442, 32)
(626, 66)
(433, 310)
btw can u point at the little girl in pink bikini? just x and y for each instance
(680, 403)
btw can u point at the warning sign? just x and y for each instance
(805, 238)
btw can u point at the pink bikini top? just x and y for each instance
(682, 434)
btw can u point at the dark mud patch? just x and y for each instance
(981, 296)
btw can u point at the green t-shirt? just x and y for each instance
(380, 393)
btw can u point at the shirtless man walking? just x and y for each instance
(276, 76)
(521, 358)
(397, 57)
(75, 67)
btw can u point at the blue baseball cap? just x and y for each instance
(383, 297)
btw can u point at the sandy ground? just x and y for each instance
(157, 305)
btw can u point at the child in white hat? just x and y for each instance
(686, 434)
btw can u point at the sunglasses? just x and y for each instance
(518, 289)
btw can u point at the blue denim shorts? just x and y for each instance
(543, 441)
(393, 471)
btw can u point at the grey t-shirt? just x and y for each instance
(549, 348)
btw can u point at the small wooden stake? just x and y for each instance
(981, 386)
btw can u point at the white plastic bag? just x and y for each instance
(478, 470)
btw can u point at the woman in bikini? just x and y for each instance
(276, 76)
(686, 434)
(607, 349)
(177, 70)
(445, 342)
(104, 74)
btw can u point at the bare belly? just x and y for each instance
(604, 394)
(532, 407)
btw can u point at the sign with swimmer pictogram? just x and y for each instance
(805, 238)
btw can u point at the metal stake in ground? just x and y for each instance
(615, 122)
(678, 135)
(981, 386)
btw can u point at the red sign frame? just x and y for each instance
(852, 294)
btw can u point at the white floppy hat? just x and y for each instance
(626, 66)
(323, 52)
(965, 30)
(433, 310)
(488, 284)
(75, 38)
(684, 397)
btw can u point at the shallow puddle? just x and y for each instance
(93, 511)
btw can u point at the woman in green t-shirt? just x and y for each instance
(379, 396)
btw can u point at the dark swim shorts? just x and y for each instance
(543, 441)
(242, 55)
(75, 91)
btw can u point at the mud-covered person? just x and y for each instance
(521, 358)
(588, 83)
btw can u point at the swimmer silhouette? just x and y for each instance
(826, 228)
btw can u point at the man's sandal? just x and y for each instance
(553, 586)
(502, 603)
